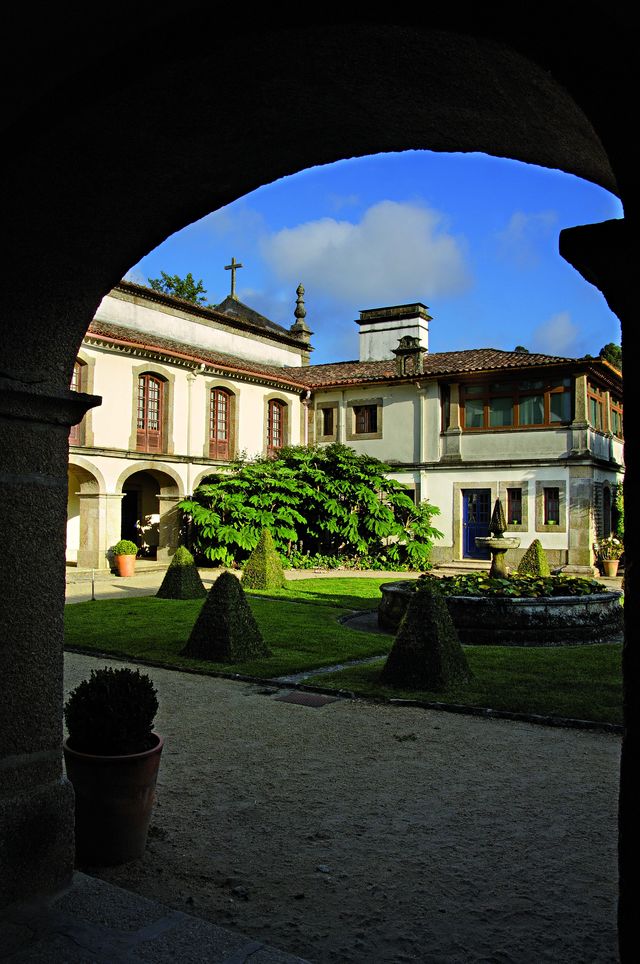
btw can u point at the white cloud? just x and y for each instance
(518, 242)
(398, 252)
(556, 336)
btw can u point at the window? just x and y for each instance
(514, 507)
(276, 426)
(366, 419)
(616, 416)
(596, 407)
(328, 421)
(149, 414)
(512, 405)
(219, 424)
(76, 435)
(552, 506)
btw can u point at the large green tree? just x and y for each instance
(319, 503)
(187, 288)
(613, 354)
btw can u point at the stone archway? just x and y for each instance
(87, 515)
(150, 516)
(97, 177)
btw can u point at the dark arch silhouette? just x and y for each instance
(121, 137)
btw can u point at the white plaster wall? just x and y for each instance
(535, 443)
(440, 488)
(377, 341)
(146, 318)
(73, 517)
(114, 380)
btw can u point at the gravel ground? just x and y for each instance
(363, 833)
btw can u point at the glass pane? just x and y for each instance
(532, 410)
(500, 412)
(560, 407)
(474, 389)
(595, 412)
(474, 413)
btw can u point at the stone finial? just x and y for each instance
(300, 327)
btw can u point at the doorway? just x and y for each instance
(476, 517)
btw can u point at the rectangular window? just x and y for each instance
(552, 506)
(532, 410)
(474, 413)
(616, 417)
(366, 419)
(328, 421)
(514, 507)
(517, 404)
(500, 412)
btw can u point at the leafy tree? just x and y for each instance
(521, 349)
(612, 353)
(317, 502)
(187, 288)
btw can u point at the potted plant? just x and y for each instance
(112, 758)
(124, 557)
(608, 552)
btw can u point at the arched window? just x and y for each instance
(219, 424)
(150, 413)
(76, 435)
(276, 426)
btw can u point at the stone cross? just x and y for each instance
(233, 267)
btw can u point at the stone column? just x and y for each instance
(100, 527)
(605, 254)
(452, 436)
(36, 802)
(581, 530)
(169, 529)
(580, 423)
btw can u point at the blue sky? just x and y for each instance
(473, 237)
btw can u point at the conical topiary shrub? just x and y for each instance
(182, 579)
(263, 569)
(426, 653)
(534, 562)
(226, 631)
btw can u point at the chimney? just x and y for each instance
(381, 329)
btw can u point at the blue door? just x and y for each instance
(476, 516)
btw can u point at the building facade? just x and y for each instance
(187, 389)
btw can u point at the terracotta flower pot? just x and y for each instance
(114, 801)
(125, 565)
(610, 567)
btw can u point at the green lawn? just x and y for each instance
(357, 592)
(581, 682)
(578, 682)
(300, 637)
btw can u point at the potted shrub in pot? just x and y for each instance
(112, 758)
(124, 557)
(608, 553)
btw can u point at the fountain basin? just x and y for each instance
(517, 621)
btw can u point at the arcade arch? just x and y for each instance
(475, 85)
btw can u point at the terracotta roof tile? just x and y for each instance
(438, 363)
(232, 363)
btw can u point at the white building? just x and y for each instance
(185, 389)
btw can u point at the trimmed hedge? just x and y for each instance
(263, 569)
(182, 579)
(225, 630)
(426, 653)
(534, 562)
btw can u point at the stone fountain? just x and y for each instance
(497, 543)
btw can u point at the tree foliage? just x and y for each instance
(612, 353)
(187, 288)
(317, 502)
